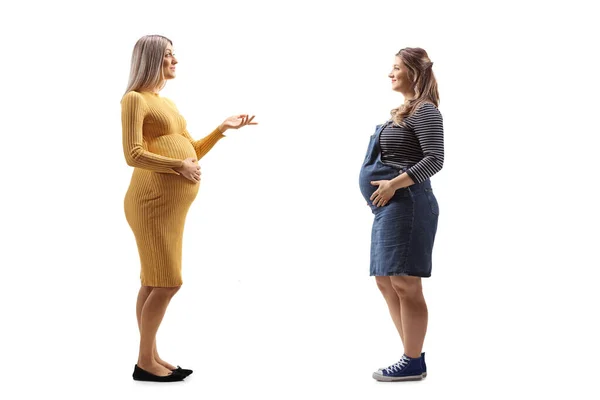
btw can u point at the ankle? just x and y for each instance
(146, 361)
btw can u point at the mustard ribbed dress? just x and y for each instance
(155, 140)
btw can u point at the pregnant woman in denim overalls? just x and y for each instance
(394, 179)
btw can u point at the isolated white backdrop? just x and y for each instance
(277, 302)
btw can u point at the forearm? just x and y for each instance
(139, 158)
(426, 168)
(401, 181)
(204, 145)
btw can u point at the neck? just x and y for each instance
(159, 87)
(408, 96)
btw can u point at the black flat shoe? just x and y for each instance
(142, 375)
(183, 371)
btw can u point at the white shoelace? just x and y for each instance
(398, 366)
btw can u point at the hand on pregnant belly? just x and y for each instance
(190, 169)
(383, 194)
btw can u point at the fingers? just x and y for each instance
(374, 195)
(244, 119)
(378, 200)
(195, 177)
(192, 172)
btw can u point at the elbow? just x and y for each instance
(440, 164)
(132, 157)
(131, 161)
(435, 161)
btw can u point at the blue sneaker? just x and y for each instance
(407, 369)
(422, 362)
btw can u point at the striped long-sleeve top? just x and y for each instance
(419, 146)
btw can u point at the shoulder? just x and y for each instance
(427, 109)
(426, 118)
(427, 113)
(132, 94)
(133, 98)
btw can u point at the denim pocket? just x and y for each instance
(435, 209)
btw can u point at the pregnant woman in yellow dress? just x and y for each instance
(164, 184)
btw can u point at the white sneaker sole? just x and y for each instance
(382, 378)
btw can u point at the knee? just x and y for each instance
(406, 287)
(384, 284)
(146, 290)
(166, 292)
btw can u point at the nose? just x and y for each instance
(174, 61)
(391, 75)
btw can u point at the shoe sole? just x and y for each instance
(382, 378)
(138, 379)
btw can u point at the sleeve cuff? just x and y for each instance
(412, 176)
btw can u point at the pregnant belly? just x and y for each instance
(374, 172)
(173, 146)
(152, 191)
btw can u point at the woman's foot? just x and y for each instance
(185, 372)
(155, 368)
(140, 374)
(407, 369)
(164, 363)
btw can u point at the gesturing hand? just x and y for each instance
(236, 122)
(383, 194)
(190, 169)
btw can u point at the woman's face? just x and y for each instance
(399, 76)
(169, 62)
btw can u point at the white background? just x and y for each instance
(277, 302)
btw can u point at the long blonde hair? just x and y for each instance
(146, 63)
(423, 80)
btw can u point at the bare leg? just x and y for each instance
(141, 300)
(153, 311)
(384, 283)
(414, 312)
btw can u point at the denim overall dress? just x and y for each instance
(404, 229)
